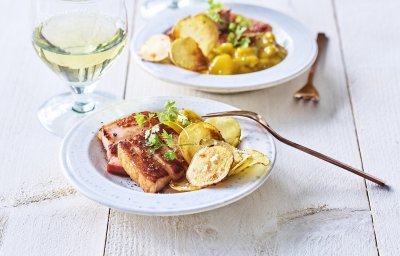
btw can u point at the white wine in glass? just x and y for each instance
(78, 40)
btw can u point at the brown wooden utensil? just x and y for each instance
(259, 119)
(308, 91)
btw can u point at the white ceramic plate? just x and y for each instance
(83, 161)
(299, 42)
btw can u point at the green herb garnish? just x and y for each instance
(153, 142)
(152, 139)
(213, 10)
(184, 120)
(236, 34)
(170, 112)
(169, 140)
(142, 119)
(170, 155)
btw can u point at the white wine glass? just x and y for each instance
(79, 40)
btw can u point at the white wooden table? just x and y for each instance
(307, 207)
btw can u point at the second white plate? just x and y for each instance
(299, 42)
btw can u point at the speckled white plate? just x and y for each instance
(83, 161)
(299, 42)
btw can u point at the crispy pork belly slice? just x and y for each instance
(114, 166)
(142, 167)
(111, 134)
(178, 153)
(177, 167)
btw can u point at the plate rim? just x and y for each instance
(232, 89)
(88, 192)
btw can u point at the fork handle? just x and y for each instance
(257, 118)
(321, 43)
(324, 157)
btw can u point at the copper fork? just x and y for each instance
(259, 119)
(308, 91)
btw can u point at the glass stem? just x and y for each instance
(82, 98)
(151, 8)
(174, 4)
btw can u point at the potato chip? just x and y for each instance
(183, 186)
(190, 137)
(257, 157)
(229, 128)
(176, 127)
(185, 53)
(156, 49)
(201, 28)
(210, 165)
(191, 115)
(251, 157)
(237, 155)
(240, 166)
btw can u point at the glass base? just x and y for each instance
(57, 114)
(151, 8)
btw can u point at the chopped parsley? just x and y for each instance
(183, 119)
(153, 142)
(142, 119)
(237, 31)
(154, 139)
(213, 10)
(170, 112)
(169, 140)
(170, 155)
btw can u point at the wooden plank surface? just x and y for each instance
(40, 213)
(307, 207)
(372, 57)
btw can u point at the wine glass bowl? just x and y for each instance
(78, 41)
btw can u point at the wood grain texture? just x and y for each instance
(68, 226)
(372, 57)
(307, 207)
(40, 213)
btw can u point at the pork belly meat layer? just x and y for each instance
(150, 170)
(177, 167)
(127, 153)
(141, 166)
(111, 134)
